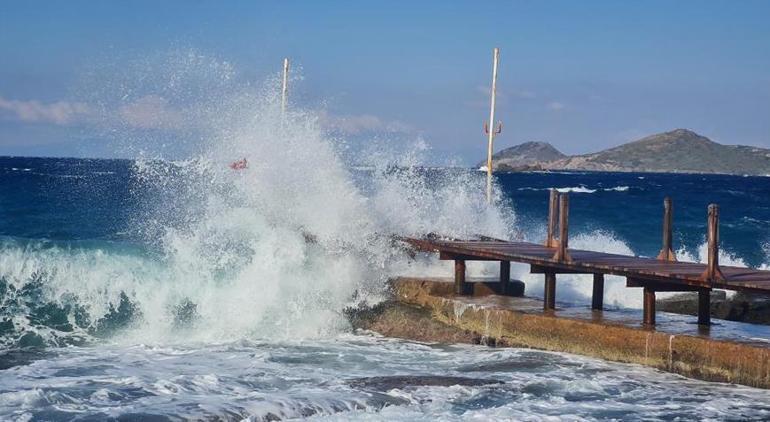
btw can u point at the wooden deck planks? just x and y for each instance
(736, 278)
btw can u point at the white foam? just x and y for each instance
(578, 189)
(318, 379)
(577, 288)
(235, 243)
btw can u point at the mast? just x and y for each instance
(490, 129)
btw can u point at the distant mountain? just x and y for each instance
(677, 151)
(522, 156)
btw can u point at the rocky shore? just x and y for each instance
(742, 307)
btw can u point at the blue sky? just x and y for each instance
(581, 75)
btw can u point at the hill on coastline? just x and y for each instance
(521, 156)
(677, 151)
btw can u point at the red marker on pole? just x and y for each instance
(239, 165)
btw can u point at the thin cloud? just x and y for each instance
(556, 106)
(32, 111)
(362, 123)
(154, 112)
(504, 96)
(148, 112)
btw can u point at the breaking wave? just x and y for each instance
(278, 249)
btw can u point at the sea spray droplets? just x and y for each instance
(276, 250)
(296, 188)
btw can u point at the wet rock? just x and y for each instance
(515, 288)
(486, 288)
(742, 307)
(19, 357)
(395, 319)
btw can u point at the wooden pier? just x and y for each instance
(661, 274)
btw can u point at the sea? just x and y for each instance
(162, 290)
(169, 286)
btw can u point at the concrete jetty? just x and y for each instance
(661, 274)
(725, 351)
(495, 311)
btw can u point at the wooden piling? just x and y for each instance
(461, 287)
(597, 298)
(505, 276)
(549, 294)
(649, 306)
(561, 252)
(653, 275)
(713, 272)
(666, 251)
(553, 218)
(704, 307)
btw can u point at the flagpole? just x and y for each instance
(490, 129)
(285, 86)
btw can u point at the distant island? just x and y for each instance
(677, 151)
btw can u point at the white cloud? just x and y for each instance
(156, 112)
(148, 112)
(361, 123)
(556, 106)
(524, 94)
(33, 111)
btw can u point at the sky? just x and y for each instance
(583, 76)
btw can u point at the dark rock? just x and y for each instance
(515, 288)
(742, 307)
(395, 319)
(484, 288)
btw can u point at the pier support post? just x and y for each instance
(461, 287)
(561, 252)
(704, 307)
(713, 273)
(666, 251)
(597, 298)
(505, 277)
(553, 218)
(649, 306)
(549, 295)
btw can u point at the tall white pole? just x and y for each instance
(285, 87)
(491, 128)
